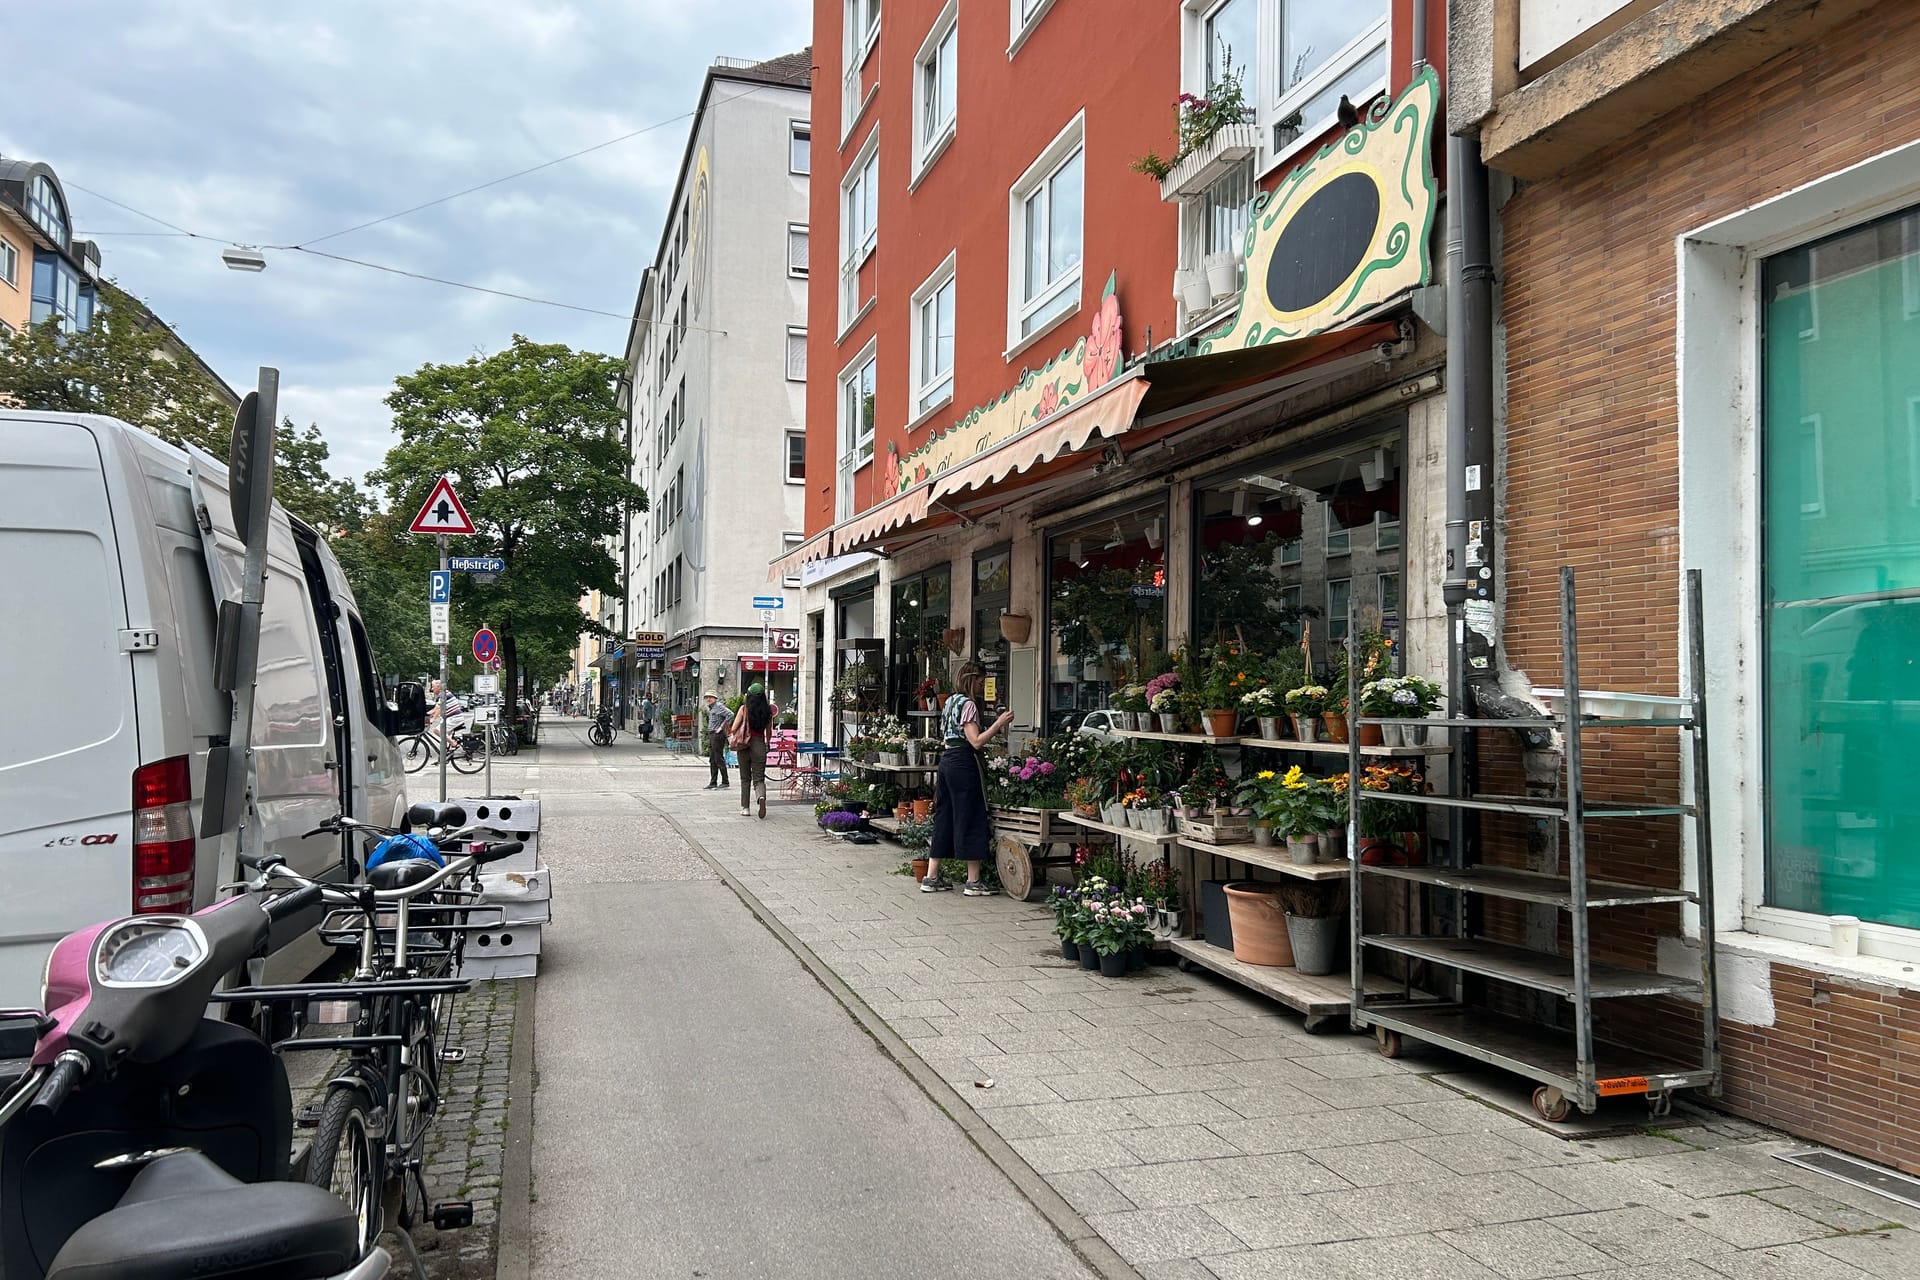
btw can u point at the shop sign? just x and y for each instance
(774, 663)
(1344, 232)
(1065, 380)
(649, 646)
(679, 664)
(787, 641)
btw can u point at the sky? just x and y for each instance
(280, 122)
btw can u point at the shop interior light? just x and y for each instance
(1119, 538)
(1153, 534)
(1254, 519)
(1239, 502)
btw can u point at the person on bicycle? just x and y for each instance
(752, 729)
(717, 718)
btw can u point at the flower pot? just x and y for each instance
(1333, 846)
(1270, 728)
(922, 809)
(1114, 966)
(1392, 735)
(1153, 821)
(1336, 726)
(1089, 958)
(1371, 736)
(1223, 274)
(1170, 919)
(1316, 942)
(1302, 851)
(1193, 290)
(1262, 836)
(1259, 926)
(1137, 959)
(1222, 723)
(903, 810)
(1416, 733)
(1069, 950)
(1306, 728)
(1169, 722)
(1381, 851)
(1015, 627)
(919, 870)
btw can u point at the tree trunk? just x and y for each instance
(510, 671)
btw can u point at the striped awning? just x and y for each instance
(1108, 414)
(901, 509)
(818, 547)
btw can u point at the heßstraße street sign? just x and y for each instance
(476, 564)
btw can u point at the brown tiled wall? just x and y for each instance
(1588, 272)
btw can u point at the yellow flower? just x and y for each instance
(1292, 781)
(1265, 775)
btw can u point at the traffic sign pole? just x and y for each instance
(442, 540)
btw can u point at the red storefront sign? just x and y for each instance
(754, 662)
(679, 664)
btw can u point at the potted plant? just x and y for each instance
(1117, 929)
(916, 837)
(1226, 677)
(1163, 699)
(1259, 923)
(1195, 294)
(1162, 890)
(1264, 705)
(1085, 801)
(1333, 718)
(1129, 704)
(1065, 903)
(928, 694)
(839, 822)
(1297, 810)
(1385, 823)
(1223, 274)
(1255, 793)
(1305, 705)
(1405, 699)
(1315, 926)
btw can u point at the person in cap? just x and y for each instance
(717, 717)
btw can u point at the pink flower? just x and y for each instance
(1102, 359)
(1049, 402)
(1046, 768)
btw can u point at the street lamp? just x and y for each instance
(239, 257)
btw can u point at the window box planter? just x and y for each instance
(1199, 169)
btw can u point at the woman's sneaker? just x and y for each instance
(933, 884)
(976, 889)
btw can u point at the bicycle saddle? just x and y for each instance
(437, 815)
(185, 1218)
(401, 873)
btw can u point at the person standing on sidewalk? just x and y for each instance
(961, 828)
(752, 728)
(717, 718)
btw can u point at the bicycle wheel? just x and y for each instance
(343, 1161)
(468, 754)
(415, 752)
(600, 736)
(419, 1098)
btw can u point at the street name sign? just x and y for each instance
(439, 586)
(442, 512)
(476, 564)
(769, 602)
(485, 644)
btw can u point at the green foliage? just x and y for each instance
(1241, 589)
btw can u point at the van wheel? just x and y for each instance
(342, 1161)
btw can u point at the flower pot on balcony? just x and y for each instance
(1195, 294)
(1223, 275)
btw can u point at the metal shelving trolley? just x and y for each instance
(1571, 1066)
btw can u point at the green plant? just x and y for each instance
(1132, 697)
(1152, 164)
(915, 835)
(1198, 119)
(1402, 696)
(1307, 700)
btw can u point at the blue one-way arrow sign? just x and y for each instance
(476, 564)
(769, 602)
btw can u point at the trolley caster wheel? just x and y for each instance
(1660, 1105)
(1389, 1042)
(1317, 1023)
(1550, 1104)
(1185, 965)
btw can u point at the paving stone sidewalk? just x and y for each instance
(1206, 1136)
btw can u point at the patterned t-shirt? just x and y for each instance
(960, 710)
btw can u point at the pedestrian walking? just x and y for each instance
(961, 828)
(752, 727)
(718, 718)
(646, 717)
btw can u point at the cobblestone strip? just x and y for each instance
(464, 1151)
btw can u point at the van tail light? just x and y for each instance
(163, 843)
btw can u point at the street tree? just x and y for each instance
(532, 439)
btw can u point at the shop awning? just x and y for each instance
(818, 547)
(1106, 415)
(772, 662)
(608, 660)
(901, 509)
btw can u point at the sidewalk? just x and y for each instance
(1203, 1135)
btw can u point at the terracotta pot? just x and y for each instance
(919, 870)
(1222, 723)
(1381, 851)
(1336, 726)
(1015, 627)
(903, 810)
(922, 809)
(1371, 736)
(1259, 926)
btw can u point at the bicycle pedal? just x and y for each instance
(453, 1053)
(308, 1117)
(450, 1215)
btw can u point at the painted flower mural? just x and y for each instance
(1103, 345)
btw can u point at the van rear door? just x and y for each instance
(68, 740)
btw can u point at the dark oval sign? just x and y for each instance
(1322, 243)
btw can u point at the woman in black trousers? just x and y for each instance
(960, 825)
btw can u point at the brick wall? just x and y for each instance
(1588, 273)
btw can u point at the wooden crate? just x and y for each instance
(1220, 830)
(1029, 826)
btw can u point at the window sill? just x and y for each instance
(854, 321)
(1210, 318)
(944, 402)
(1881, 970)
(925, 162)
(1033, 20)
(1040, 335)
(859, 114)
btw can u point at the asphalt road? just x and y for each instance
(705, 1108)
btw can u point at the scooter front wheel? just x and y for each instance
(343, 1160)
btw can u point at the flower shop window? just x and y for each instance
(1106, 607)
(1840, 600)
(1273, 537)
(922, 607)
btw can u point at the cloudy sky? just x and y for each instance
(279, 122)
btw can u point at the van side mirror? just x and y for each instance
(407, 713)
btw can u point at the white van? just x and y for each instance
(108, 620)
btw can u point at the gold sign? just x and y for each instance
(1343, 232)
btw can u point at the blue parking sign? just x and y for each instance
(440, 586)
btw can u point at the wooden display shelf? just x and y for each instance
(1283, 744)
(891, 768)
(1321, 999)
(1531, 886)
(1132, 833)
(1255, 856)
(1540, 970)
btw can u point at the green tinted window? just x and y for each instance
(1841, 475)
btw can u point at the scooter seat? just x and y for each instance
(401, 873)
(185, 1218)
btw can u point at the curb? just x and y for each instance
(1060, 1215)
(513, 1238)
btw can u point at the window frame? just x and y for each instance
(10, 264)
(1339, 619)
(800, 131)
(791, 478)
(1069, 142)
(789, 543)
(931, 138)
(1021, 24)
(852, 441)
(860, 43)
(806, 236)
(796, 331)
(853, 256)
(930, 394)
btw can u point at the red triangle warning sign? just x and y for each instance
(442, 512)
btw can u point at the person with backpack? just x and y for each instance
(752, 730)
(961, 826)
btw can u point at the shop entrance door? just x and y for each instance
(992, 593)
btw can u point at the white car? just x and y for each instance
(1098, 725)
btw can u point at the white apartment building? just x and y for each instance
(716, 387)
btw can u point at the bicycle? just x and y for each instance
(409, 921)
(601, 734)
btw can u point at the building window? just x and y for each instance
(1389, 594)
(859, 224)
(933, 339)
(9, 263)
(1290, 551)
(1294, 60)
(1215, 221)
(1045, 235)
(856, 425)
(1840, 601)
(1386, 531)
(797, 250)
(47, 211)
(1339, 537)
(936, 105)
(799, 148)
(56, 292)
(796, 354)
(1026, 16)
(1339, 593)
(789, 543)
(863, 28)
(1106, 598)
(796, 457)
